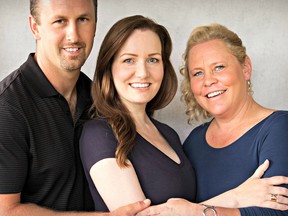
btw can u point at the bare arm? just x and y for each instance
(253, 192)
(10, 206)
(117, 186)
(181, 207)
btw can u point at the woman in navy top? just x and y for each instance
(127, 155)
(240, 136)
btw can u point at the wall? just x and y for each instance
(262, 25)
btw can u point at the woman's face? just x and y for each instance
(137, 69)
(218, 80)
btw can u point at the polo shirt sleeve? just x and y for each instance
(14, 152)
(97, 142)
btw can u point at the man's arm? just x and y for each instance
(10, 206)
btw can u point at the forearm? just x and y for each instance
(226, 212)
(34, 210)
(225, 200)
(182, 207)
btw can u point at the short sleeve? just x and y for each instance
(14, 150)
(273, 147)
(97, 142)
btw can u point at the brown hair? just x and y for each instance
(34, 9)
(199, 35)
(106, 100)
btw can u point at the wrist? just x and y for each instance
(208, 210)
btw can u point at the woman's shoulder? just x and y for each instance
(278, 117)
(280, 113)
(95, 123)
(96, 126)
(162, 126)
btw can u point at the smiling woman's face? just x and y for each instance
(218, 81)
(137, 69)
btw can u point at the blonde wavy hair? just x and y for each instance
(199, 35)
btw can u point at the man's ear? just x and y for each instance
(34, 27)
(247, 68)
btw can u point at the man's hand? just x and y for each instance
(131, 209)
(173, 207)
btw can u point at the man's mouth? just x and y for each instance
(72, 49)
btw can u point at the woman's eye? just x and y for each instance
(129, 60)
(153, 60)
(219, 68)
(198, 73)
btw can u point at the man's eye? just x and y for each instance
(59, 21)
(219, 68)
(83, 19)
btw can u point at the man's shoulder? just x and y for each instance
(7, 83)
(11, 83)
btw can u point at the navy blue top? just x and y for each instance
(221, 169)
(160, 177)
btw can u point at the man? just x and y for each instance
(43, 105)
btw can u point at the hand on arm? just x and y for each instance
(255, 192)
(182, 207)
(117, 186)
(174, 207)
(131, 209)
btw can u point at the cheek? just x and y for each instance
(160, 75)
(195, 86)
(120, 74)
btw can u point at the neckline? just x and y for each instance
(162, 153)
(239, 138)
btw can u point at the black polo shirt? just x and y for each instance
(39, 148)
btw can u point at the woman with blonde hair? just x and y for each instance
(240, 136)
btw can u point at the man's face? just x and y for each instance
(65, 34)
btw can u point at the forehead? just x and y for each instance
(66, 7)
(142, 39)
(213, 49)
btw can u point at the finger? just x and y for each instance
(278, 190)
(139, 206)
(131, 209)
(261, 169)
(276, 206)
(152, 210)
(277, 180)
(282, 199)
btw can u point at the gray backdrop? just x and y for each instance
(262, 25)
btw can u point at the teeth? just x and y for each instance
(72, 49)
(213, 94)
(140, 85)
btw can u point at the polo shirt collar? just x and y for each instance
(36, 78)
(41, 85)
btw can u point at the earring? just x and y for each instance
(250, 91)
